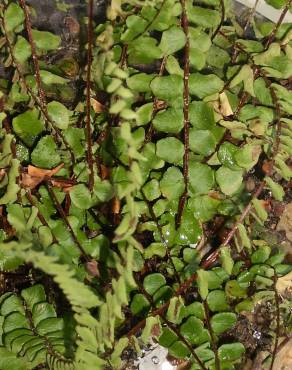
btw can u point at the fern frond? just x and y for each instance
(78, 294)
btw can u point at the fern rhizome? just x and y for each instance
(145, 161)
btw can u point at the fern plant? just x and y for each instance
(32, 334)
(145, 178)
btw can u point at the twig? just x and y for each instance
(162, 238)
(222, 5)
(278, 24)
(278, 116)
(186, 98)
(41, 92)
(67, 223)
(182, 338)
(213, 342)
(40, 216)
(7, 128)
(155, 107)
(251, 13)
(277, 302)
(88, 92)
(151, 22)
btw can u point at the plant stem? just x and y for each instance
(213, 341)
(155, 107)
(186, 101)
(40, 216)
(67, 223)
(88, 92)
(277, 303)
(162, 238)
(222, 6)
(41, 92)
(278, 24)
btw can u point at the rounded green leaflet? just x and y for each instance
(170, 150)
(168, 88)
(193, 330)
(46, 40)
(190, 255)
(162, 295)
(201, 115)
(217, 302)
(139, 304)
(143, 49)
(172, 183)
(204, 85)
(22, 50)
(231, 352)
(153, 282)
(206, 18)
(172, 40)
(169, 121)
(229, 181)
(135, 25)
(155, 249)
(202, 141)
(261, 254)
(223, 321)
(204, 207)
(140, 82)
(49, 78)
(151, 190)
(144, 114)
(167, 338)
(248, 156)
(201, 178)
(234, 290)
(13, 17)
(102, 189)
(197, 58)
(173, 67)
(179, 349)
(59, 114)
(189, 231)
(28, 126)
(217, 57)
(45, 154)
(226, 155)
(80, 196)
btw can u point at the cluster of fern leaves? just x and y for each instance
(138, 208)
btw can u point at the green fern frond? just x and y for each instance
(30, 330)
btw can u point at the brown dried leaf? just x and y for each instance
(284, 285)
(92, 268)
(224, 105)
(34, 175)
(63, 185)
(97, 106)
(283, 360)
